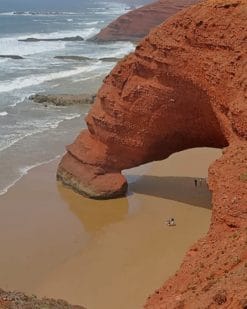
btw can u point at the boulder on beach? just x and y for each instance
(63, 99)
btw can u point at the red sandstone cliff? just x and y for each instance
(135, 24)
(185, 86)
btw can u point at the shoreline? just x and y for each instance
(26, 170)
(65, 238)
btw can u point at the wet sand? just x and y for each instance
(103, 254)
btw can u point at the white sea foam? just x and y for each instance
(33, 127)
(31, 80)
(34, 13)
(7, 13)
(111, 8)
(12, 45)
(10, 140)
(72, 117)
(111, 50)
(91, 23)
(85, 33)
(109, 12)
(121, 49)
(3, 60)
(80, 79)
(24, 171)
(3, 114)
(20, 99)
(54, 86)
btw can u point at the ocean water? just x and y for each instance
(30, 133)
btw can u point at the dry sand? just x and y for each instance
(103, 254)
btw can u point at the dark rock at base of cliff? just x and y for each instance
(65, 39)
(110, 59)
(15, 57)
(63, 99)
(75, 58)
(16, 300)
(83, 58)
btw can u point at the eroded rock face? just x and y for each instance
(135, 24)
(182, 88)
(185, 86)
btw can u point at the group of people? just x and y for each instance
(196, 181)
(171, 221)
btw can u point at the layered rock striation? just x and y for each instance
(136, 24)
(184, 86)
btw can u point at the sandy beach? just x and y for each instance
(103, 254)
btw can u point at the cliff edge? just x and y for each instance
(136, 24)
(183, 87)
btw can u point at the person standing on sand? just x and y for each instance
(171, 222)
(195, 182)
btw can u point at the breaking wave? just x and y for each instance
(35, 13)
(32, 80)
(33, 127)
(12, 45)
(3, 114)
(23, 171)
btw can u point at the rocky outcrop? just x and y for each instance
(65, 39)
(15, 57)
(17, 300)
(136, 24)
(76, 58)
(110, 59)
(183, 87)
(63, 99)
(82, 58)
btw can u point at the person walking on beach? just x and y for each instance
(195, 182)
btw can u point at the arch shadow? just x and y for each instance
(180, 189)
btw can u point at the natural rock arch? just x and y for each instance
(175, 92)
(185, 86)
(151, 117)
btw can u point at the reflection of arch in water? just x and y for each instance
(94, 214)
(180, 189)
